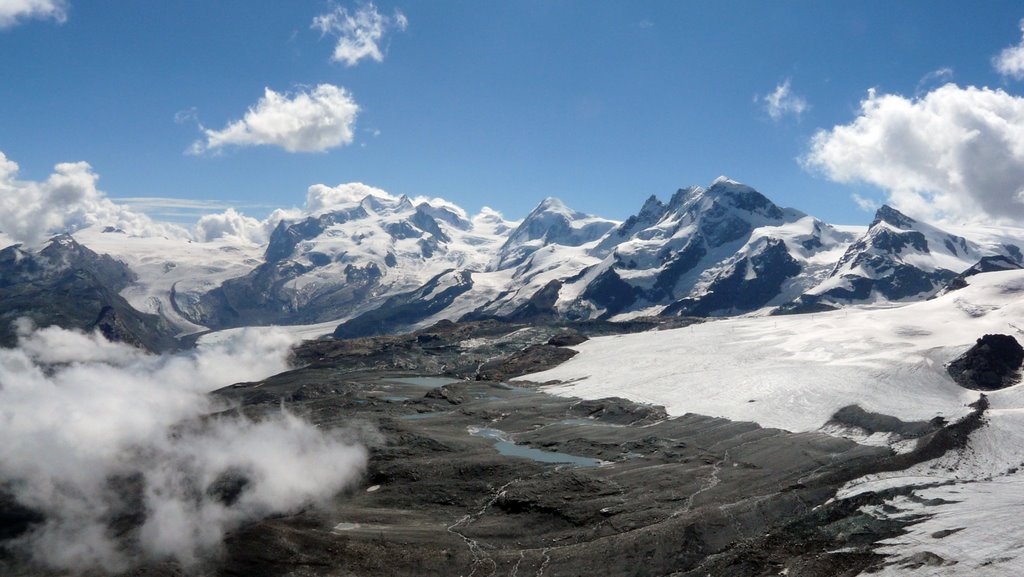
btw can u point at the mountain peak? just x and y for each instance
(893, 217)
(552, 204)
(63, 242)
(726, 181)
(652, 208)
(737, 195)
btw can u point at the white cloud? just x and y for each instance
(187, 115)
(321, 198)
(90, 426)
(306, 121)
(359, 33)
(1010, 61)
(66, 201)
(954, 154)
(783, 101)
(12, 12)
(865, 204)
(232, 225)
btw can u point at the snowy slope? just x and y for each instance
(163, 264)
(794, 372)
(798, 370)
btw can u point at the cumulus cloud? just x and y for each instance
(1010, 61)
(359, 33)
(13, 12)
(68, 200)
(234, 226)
(782, 101)
(117, 450)
(305, 121)
(321, 198)
(953, 154)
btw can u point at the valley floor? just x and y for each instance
(822, 445)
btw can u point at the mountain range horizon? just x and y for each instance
(378, 263)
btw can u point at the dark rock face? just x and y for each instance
(15, 518)
(986, 264)
(67, 285)
(749, 285)
(890, 215)
(870, 422)
(992, 363)
(611, 293)
(567, 339)
(529, 360)
(540, 306)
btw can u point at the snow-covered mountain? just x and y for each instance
(898, 259)
(350, 260)
(714, 251)
(64, 283)
(372, 262)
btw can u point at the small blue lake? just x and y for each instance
(511, 449)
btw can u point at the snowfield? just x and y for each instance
(794, 372)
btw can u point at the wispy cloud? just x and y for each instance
(1010, 61)
(955, 153)
(187, 115)
(360, 33)
(865, 204)
(928, 81)
(305, 121)
(783, 101)
(13, 12)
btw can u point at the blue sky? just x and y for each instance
(484, 103)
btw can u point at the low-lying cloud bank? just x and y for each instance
(954, 154)
(117, 450)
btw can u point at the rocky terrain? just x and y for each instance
(469, 475)
(69, 285)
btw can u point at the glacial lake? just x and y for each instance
(511, 449)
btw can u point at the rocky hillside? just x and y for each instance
(66, 284)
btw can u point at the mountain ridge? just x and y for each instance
(375, 260)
